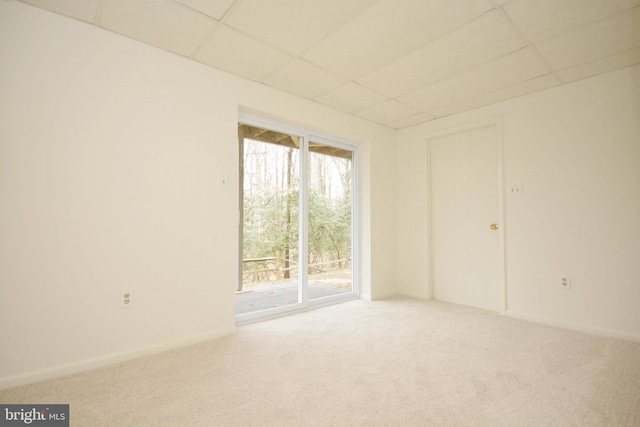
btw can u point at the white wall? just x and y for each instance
(110, 157)
(575, 149)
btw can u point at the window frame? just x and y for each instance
(304, 303)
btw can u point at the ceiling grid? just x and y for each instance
(394, 62)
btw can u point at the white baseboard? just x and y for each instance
(366, 297)
(383, 295)
(574, 326)
(391, 294)
(98, 362)
(412, 294)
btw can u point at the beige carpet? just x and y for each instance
(400, 362)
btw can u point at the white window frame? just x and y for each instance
(303, 298)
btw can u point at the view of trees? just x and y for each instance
(271, 211)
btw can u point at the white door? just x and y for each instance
(464, 205)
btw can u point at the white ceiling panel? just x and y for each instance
(385, 32)
(387, 112)
(395, 62)
(613, 35)
(506, 71)
(484, 39)
(410, 121)
(213, 8)
(544, 19)
(293, 25)
(84, 10)
(519, 89)
(162, 23)
(304, 79)
(602, 65)
(237, 53)
(351, 97)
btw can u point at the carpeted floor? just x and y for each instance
(399, 362)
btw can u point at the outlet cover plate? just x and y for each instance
(515, 190)
(126, 298)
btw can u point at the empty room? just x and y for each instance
(320, 212)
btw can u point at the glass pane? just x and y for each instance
(330, 230)
(270, 198)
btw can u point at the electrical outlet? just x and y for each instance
(565, 282)
(126, 299)
(515, 190)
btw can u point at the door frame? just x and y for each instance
(465, 128)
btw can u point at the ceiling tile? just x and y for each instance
(613, 35)
(160, 23)
(409, 61)
(213, 8)
(84, 10)
(237, 53)
(387, 31)
(602, 65)
(519, 89)
(293, 25)
(304, 79)
(411, 121)
(484, 39)
(506, 71)
(387, 112)
(350, 97)
(544, 19)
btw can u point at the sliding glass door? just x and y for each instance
(330, 216)
(296, 220)
(270, 195)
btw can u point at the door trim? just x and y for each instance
(464, 128)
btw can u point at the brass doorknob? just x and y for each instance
(494, 226)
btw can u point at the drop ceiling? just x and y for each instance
(394, 62)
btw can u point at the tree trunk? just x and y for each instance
(287, 247)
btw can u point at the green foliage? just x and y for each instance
(271, 209)
(329, 228)
(270, 224)
(271, 228)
